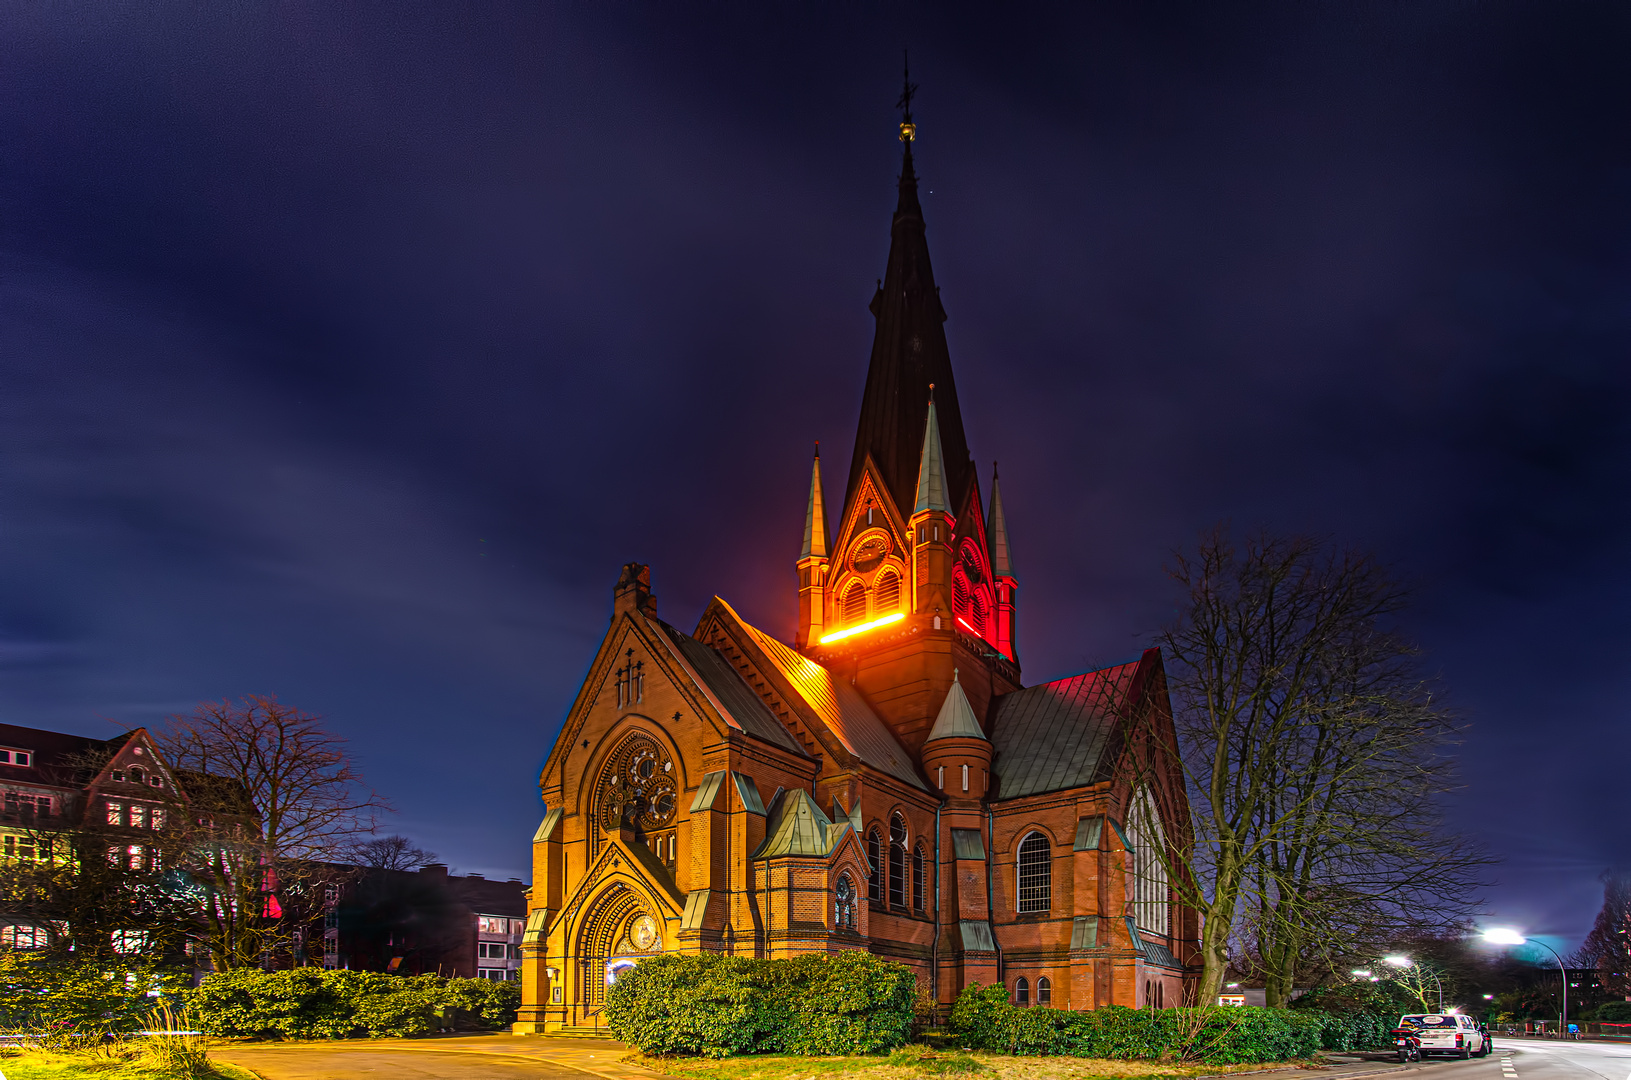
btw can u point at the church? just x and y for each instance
(881, 778)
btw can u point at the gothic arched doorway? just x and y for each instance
(617, 933)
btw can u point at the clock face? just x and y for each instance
(869, 555)
(643, 932)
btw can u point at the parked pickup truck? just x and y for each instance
(1447, 1033)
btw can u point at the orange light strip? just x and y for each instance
(838, 635)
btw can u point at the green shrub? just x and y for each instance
(43, 996)
(310, 1003)
(1614, 1012)
(984, 1018)
(716, 1006)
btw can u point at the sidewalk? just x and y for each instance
(458, 1057)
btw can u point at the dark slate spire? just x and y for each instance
(908, 353)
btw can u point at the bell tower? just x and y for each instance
(909, 593)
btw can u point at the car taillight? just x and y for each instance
(1458, 1038)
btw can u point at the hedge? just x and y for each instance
(311, 1003)
(716, 1006)
(983, 1018)
(40, 995)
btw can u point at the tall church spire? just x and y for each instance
(908, 353)
(815, 515)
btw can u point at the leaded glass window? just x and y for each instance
(897, 861)
(843, 905)
(1035, 873)
(1150, 901)
(874, 861)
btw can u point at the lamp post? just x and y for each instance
(1406, 962)
(1501, 936)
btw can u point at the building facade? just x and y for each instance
(883, 780)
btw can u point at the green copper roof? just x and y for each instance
(798, 827)
(931, 470)
(815, 517)
(996, 533)
(956, 719)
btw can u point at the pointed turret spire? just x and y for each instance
(996, 532)
(956, 719)
(815, 515)
(908, 353)
(931, 471)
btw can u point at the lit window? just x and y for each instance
(134, 853)
(1035, 873)
(1022, 992)
(155, 817)
(874, 859)
(129, 942)
(843, 915)
(23, 937)
(138, 816)
(897, 861)
(116, 813)
(1044, 991)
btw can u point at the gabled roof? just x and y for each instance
(798, 827)
(956, 719)
(743, 708)
(1053, 736)
(845, 713)
(59, 758)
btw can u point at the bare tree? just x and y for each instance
(391, 853)
(1608, 947)
(273, 795)
(1314, 754)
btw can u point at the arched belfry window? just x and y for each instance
(854, 604)
(1035, 873)
(874, 866)
(897, 861)
(886, 593)
(843, 903)
(1149, 840)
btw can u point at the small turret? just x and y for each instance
(957, 755)
(1002, 573)
(812, 564)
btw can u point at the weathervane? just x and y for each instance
(908, 130)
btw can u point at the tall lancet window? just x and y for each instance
(1150, 899)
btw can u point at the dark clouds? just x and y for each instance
(346, 352)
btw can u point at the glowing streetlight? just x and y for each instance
(1500, 935)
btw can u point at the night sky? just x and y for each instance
(346, 352)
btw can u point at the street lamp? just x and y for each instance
(1406, 962)
(1502, 936)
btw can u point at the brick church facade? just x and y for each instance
(884, 780)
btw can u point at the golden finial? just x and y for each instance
(908, 130)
